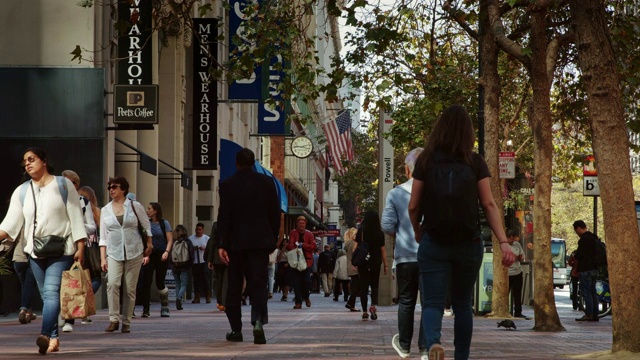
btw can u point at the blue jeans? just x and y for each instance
(408, 279)
(182, 279)
(588, 291)
(27, 283)
(48, 274)
(438, 263)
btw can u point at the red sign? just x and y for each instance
(589, 166)
(326, 233)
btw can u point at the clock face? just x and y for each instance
(301, 147)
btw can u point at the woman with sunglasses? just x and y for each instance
(39, 206)
(122, 250)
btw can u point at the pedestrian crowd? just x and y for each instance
(435, 254)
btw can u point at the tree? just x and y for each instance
(597, 62)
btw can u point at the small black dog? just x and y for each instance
(507, 324)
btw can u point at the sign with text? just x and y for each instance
(589, 166)
(135, 44)
(135, 104)
(271, 117)
(248, 89)
(205, 99)
(507, 164)
(590, 186)
(326, 233)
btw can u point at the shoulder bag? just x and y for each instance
(360, 256)
(141, 230)
(49, 245)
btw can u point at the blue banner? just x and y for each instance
(243, 89)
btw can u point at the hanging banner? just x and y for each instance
(244, 89)
(271, 117)
(135, 44)
(205, 99)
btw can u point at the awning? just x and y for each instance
(227, 161)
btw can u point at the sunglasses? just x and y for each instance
(113, 187)
(28, 160)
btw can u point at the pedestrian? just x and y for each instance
(283, 273)
(326, 265)
(315, 275)
(122, 251)
(395, 222)
(440, 254)
(273, 257)
(302, 238)
(46, 206)
(515, 273)
(371, 234)
(575, 277)
(181, 271)
(341, 275)
(218, 266)
(199, 269)
(588, 270)
(157, 261)
(92, 250)
(90, 227)
(248, 229)
(28, 284)
(349, 246)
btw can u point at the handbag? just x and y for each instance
(45, 246)
(360, 255)
(141, 230)
(77, 299)
(92, 258)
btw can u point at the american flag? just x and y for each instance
(338, 134)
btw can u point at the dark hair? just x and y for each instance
(180, 232)
(200, 225)
(120, 180)
(453, 134)
(245, 158)
(579, 224)
(158, 208)
(512, 233)
(370, 226)
(42, 155)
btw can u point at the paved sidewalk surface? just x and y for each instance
(326, 330)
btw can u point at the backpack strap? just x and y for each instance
(164, 229)
(62, 187)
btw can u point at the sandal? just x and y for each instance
(54, 345)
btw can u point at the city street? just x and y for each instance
(326, 330)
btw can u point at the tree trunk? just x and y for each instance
(546, 315)
(610, 143)
(490, 80)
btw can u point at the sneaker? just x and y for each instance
(67, 328)
(86, 321)
(395, 342)
(374, 312)
(584, 318)
(448, 312)
(424, 354)
(145, 314)
(436, 352)
(60, 321)
(365, 316)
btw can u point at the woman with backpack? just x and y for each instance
(449, 180)
(158, 261)
(371, 234)
(181, 269)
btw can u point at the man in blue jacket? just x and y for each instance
(395, 222)
(248, 228)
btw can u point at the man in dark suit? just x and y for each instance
(248, 228)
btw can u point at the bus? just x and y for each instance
(559, 260)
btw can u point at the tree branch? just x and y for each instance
(504, 43)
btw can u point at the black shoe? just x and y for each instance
(335, 299)
(327, 295)
(585, 318)
(258, 334)
(594, 318)
(235, 336)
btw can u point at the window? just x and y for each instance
(205, 183)
(204, 213)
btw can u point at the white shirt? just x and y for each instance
(198, 255)
(516, 268)
(123, 242)
(53, 217)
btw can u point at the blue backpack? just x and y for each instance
(62, 186)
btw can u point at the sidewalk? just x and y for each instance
(326, 330)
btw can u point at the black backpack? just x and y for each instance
(451, 200)
(601, 253)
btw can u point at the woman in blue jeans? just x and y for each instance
(442, 257)
(46, 206)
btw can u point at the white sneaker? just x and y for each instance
(424, 354)
(395, 342)
(60, 321)
(86, 321)
(448, 312)
(67, 328)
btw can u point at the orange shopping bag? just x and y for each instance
(77, 300)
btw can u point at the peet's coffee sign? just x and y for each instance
(135, 104)
(135, 43)
(205, 99)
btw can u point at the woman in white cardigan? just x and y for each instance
(44, 197)
(122, 250)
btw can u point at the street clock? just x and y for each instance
(301, 147)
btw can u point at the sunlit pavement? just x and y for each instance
(326, 330)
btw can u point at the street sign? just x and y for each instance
(507, 164)
(135, 104)
(326, 233)
(590, 186)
